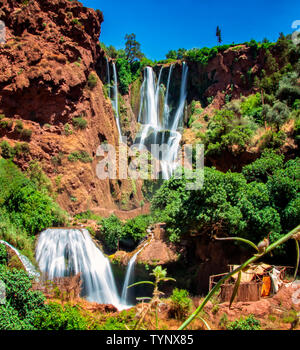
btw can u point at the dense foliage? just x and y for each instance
(230, 205)
(26, 207)
(22, 304)
(113, 230)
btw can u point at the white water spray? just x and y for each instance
(64, 252)
(130, 272)
(108, 76)
(115, 100)
(152, 126)
(30, 269)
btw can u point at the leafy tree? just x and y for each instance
(132, 48)
(263, 167)
(112, 231)
(278, 114)
(172, 54)
(136, 228)
(218, 35)
(228, 205)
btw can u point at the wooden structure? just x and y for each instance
(255, 282)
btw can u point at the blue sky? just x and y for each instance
(162, 25)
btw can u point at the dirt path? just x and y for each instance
(123, 214)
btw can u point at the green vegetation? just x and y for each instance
(81, 156)
(79, 123)
(180, 303)
(92, 81)
(113, 230)
(230, 205)
(245, 324)
(56, 317)
(26, 207)
(22, 304)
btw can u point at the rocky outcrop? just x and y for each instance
(47, 78)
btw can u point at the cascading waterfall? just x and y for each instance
(130, 272)
(149, 117)
(108, 76)
(30, 269)
(115, 100)
(64, 252)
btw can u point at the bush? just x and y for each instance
(137, 228)
(92, 80)
(81, 156)
(3, 254)
(248, 324)
(180, 303)
(21, 302)
(26, 134)
(224, 131)
(7, 151)
(19, 127)
(112, 231)
(263, 167)
(60, 318)
(79, 123)
(26, 206)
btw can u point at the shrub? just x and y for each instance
(79, 123)
(22, 302)
(112, 231)
(137, 228)
(67, 129)
(7, 151)
(27, 207)
(92, 80)
(263, 167)
(26, 134)
(19, 127)
(57, 317)
(81, 156)
(180, 303)
(3, 254)
(248, 324)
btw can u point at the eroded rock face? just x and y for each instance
(50, 52)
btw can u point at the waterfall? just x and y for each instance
(130, 271)
(30, 269)
(154, 132)
(108, 76)
(166, 106)
(115, 100)
(64, 252)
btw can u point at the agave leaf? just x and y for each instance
(253, 245)
(142, 282)
(205, 323)
(297, 264)
(236, 288)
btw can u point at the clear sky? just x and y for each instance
(162, 25)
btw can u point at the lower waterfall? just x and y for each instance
(64, 252)
(130, 272)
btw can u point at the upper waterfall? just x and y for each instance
(160, 125)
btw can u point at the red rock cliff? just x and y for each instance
(50, 52)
